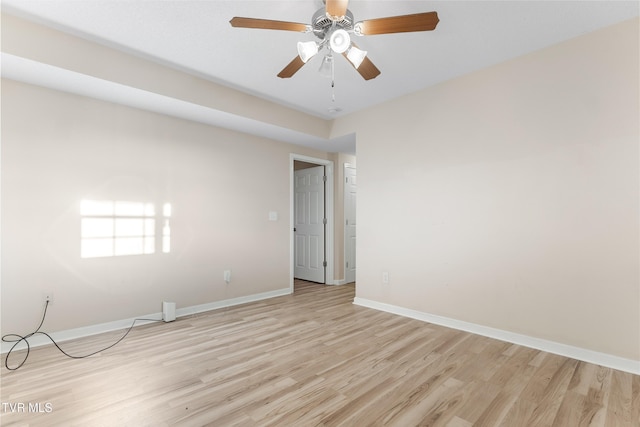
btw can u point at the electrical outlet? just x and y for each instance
(48, 297)
(385, 277)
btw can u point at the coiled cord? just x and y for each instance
(17, 339)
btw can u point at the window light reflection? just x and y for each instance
(118, 228)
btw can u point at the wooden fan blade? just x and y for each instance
(267, 24)
(291, 68)
(366, 69)
(336, 9)
(399, 24)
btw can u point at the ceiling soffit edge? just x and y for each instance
(40, 44)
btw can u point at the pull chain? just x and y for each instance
(333, 83)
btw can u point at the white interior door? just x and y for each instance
(309, 224)
(350, 223)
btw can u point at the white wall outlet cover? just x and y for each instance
(273, 216)
(48, 296)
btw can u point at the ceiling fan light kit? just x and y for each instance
(326, 67)
(307, 50)
(356, 56)
(332, 25)
(339, 40)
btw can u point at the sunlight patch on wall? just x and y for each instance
(118, 228)
(166, 229)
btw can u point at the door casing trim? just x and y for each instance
(328, 208)
(344, 205)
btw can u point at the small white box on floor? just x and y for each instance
(168, 311)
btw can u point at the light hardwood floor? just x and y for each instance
(307, 359)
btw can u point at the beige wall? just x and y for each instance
(509, 198)
(58, 149)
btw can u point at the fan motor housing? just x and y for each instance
(321, 23)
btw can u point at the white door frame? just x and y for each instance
(328, 206)
(309, 224)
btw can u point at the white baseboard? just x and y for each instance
(585, 355)
(194, 309)
(85, 331)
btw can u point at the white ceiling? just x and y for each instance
(195, 36)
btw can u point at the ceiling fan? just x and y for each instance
(333, 25)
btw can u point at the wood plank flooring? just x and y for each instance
(310, 359)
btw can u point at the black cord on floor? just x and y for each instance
(17, 339)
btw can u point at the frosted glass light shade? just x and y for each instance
(356, 56)
(326, 68)
(339, 41)
(307, 50)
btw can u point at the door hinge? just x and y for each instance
(324, 178)
(347, 222)
(347, 178)
(324, 221)
(324, 263)
(347, 264)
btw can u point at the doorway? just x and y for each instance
(309, 222)
(327, 248)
